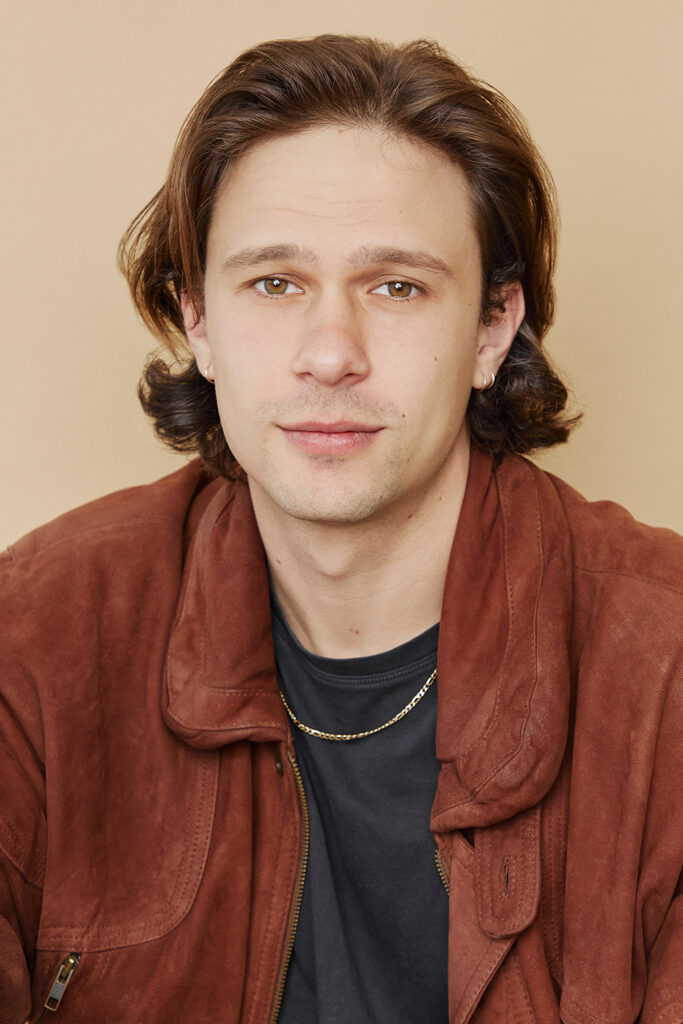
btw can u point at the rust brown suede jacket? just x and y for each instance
(150, 818)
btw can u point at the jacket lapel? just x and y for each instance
(221, 684)
(503, 657)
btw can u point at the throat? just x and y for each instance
(354, 590)
(370, 602)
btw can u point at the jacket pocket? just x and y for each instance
(134, 876)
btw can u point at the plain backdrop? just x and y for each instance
(94, 94)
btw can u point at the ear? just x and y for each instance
(197, 338)
(496, 336)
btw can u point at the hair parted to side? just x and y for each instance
(416, 91)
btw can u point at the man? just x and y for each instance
(239, 785)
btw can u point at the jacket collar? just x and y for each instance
(503, 649)
(221, 684)
(503, 667)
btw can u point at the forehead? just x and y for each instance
(334, 186)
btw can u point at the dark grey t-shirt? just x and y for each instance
(371, 942)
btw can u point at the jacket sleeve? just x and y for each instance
(22, 815)
(664, 996)
(662, 856)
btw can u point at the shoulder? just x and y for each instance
(607, 541)
(130, 510)
(123, 548)
(626, 604)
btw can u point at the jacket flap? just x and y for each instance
(507, 862)
(140, 862)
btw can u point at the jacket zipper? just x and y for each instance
(298, 892)
(442, 869)
(61, 982)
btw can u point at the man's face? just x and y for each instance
(342, 322)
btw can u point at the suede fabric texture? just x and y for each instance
(149, 813)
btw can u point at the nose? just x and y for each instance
(332, 346)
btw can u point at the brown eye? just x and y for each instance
(398, 289)
(275, 285)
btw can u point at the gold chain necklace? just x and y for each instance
(344, 737)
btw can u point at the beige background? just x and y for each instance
(96, 92)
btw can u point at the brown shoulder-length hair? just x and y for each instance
(416, 91)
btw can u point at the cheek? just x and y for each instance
(244, 336)
(239, 353)
(436, 399)
(447, 371)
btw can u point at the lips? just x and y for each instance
(342, 437)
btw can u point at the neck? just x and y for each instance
(351, 590)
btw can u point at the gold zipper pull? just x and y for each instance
(65, 973)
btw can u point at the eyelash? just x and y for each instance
(416, 290)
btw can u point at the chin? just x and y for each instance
(340, 513)
(333, 507)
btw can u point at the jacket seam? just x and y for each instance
(553, 845)
(196, 730)
(569, 519)
(235, 691)
(629, 576)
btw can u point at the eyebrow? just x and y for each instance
(268, 253)
(364, 257)
(371, 256)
